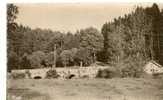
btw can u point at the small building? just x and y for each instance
(152, 67)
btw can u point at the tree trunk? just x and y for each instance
(81, 64)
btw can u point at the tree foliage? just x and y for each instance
(37, 59)
(127, 42)
(132, 40)
(12, 12)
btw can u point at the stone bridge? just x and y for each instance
(77, 72)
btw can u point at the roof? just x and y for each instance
(155, 63)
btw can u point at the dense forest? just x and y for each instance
(126, 43)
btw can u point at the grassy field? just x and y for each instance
(85, 89)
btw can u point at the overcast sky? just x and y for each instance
(70, 17)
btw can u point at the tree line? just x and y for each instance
(127, 42)
(34, 48)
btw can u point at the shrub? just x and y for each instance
(18, 75)
(131, 71)
(52, 74)
(106, 73)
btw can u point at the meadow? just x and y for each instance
(85, 89)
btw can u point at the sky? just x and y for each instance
(66, 17)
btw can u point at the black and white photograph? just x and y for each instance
(84, 51)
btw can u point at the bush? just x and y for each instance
(52, 74)
(106, 73)
(18, 75)
(131, 71)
